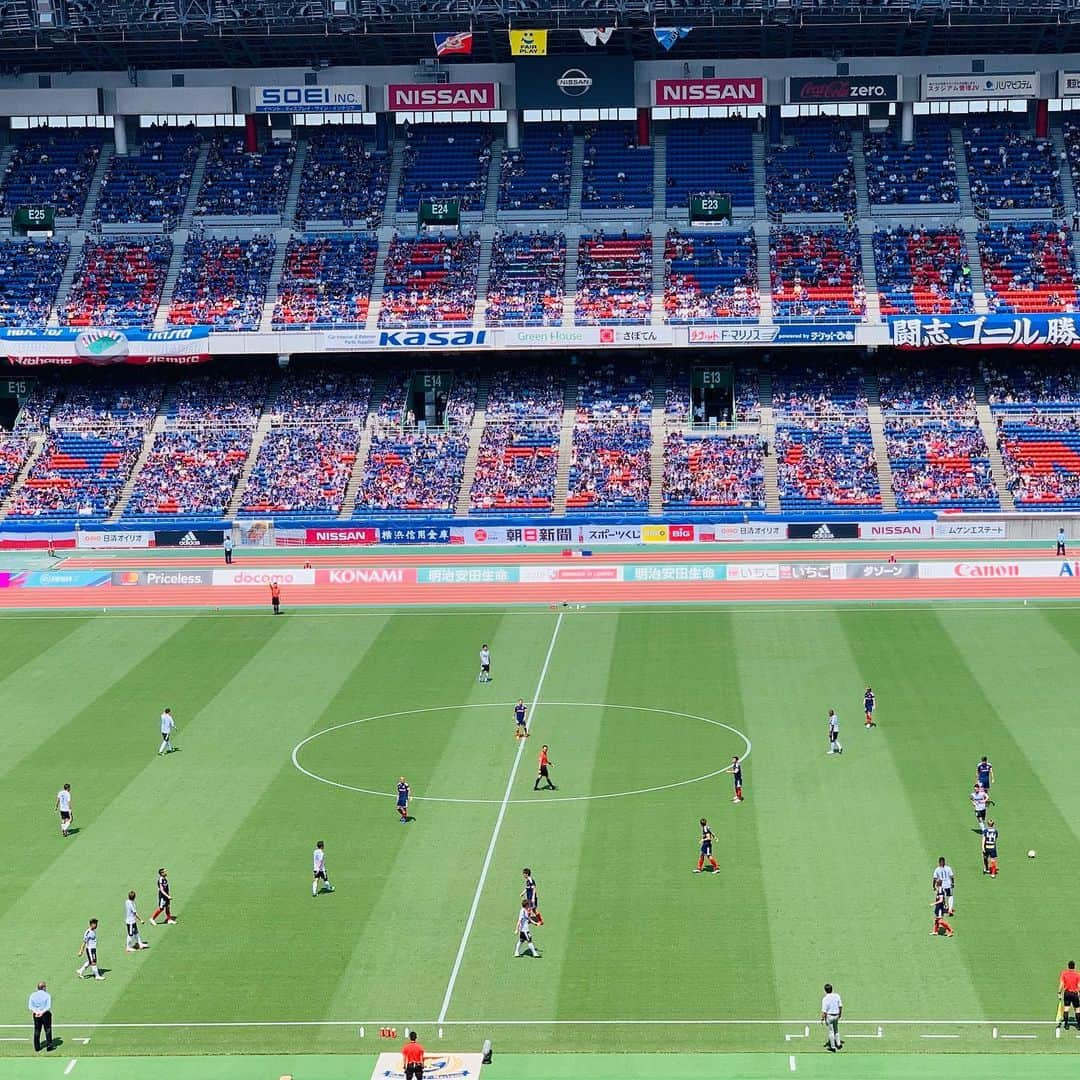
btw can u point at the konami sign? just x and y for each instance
(441, 97)
(708, 92)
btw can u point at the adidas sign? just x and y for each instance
(824, 533)
(189, 539)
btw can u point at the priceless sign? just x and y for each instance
(732, 91)
(441, 97)
(308, 99)
(843, 88)
(1024, 84)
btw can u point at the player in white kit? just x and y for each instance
(318, 869)
(88, 948)
(132, 921)
(168, 725)
(525, 921)
(834, 734)
(63, 806)
(944, 879)
(485, 664)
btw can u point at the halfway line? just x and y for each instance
(498, 828)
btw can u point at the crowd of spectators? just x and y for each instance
(151, 182)
(51, 167)
(344, 179)
(302, 469)
(827, 464)
(614, 279)
(904, 174)
(14, 448)
(223, 282)
(922, 271)
(1041, 456)
(710, 277)
(723, 471)
(678, 396)
(241, 184)
(96, 399)
(941, 388)
(710, 157)
(430, 281)
(1052, 385)
(812, 172)
(1028, 266)
(323, 392)
(527, 280)
(445, 161)
(940, 463)
(235, 400)
(119, 282)
(30, 274)
(800, 389)
(617, 172)
(1009, 167)
(536, 176)
(326, 281)
(816, 273)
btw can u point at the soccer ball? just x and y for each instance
(1031, 854)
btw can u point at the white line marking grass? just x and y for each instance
(71, 1065)
(498, 829)
(791, 1062)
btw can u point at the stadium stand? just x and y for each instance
(448, 161)
(344, 179)
(51, 167)
(430, 281)
(812, 171)
(710, 157)
(30, 274)
(614, 283)
(826, 465)
(916, 174)
(229, 399)
(1010, 168)
(14, 449)
(326, 281)
(721, 471)
(943, 464)
(150, 184)
(527, 279)
(710, 277)
(939, 388)
(922, 271)
(114, 397)
(618, 174)
(119, 282)
(804, 390)
(816, 273)
(1028, 266)
(239, 184)
(222, 282)
(536, 176)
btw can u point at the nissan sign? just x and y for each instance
(441, 97)
(844, 88)
(586, 80)
(308, 99)
(675, 92)
(1025, 84)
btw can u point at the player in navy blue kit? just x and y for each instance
(403, 801)
(706, 849)
(521, 715)
(984, 772)
(868, 703)
(736, 775)
(989, 848)
(532, 896)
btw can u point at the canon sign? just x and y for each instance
(845, 88)
(708, 92)
(440, 97)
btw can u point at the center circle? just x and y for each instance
(508, 705)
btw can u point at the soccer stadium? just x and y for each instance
(539, 540)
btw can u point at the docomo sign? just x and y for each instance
(844, 88)
(708, 91)
(310, 99)
(444, 97)
(1024, 84)
(264, 577)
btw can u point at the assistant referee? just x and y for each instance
(1069, 988)
(412, 1058)
(40, 1006)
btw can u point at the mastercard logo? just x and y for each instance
(127, 577)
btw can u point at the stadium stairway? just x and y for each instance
(198, 174)
(161, 316)
(963, 177)
(363, 450)
(978, 281)
(393, 182)
(378, 278)
(37, 444)
(764, 274)
(659, 241)
(877, 434)
(6, 154)
(491, 194)
(566, 443)
(658, 433)
(96, 184)
(476, 431)
(262, 429)
(570, 292)
(577, 176)
(866, 251)
(761, 206)
(292, 197)
(277, 267)
(77, 239)
(659, 182)
(483, 276)
(989, 430)
(768, 433)
(858, 165)
(148, 445)
(1068, 185)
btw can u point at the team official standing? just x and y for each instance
(63, 806)
(1061, 542)
(412, 1058)
(944, 879)
(228, 545)
(319, 878)
(40, 1006)
(132, 921)
(275, 597)
(832, 1008)
(88, 948)
(168, 726)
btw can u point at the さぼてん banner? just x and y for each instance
(985, 331)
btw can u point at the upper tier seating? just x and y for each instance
(725, 471)
(618, 174)
(344, 179)
(816, 273)
(119, 282)
(222, 283)
(536, 176)
(239, 184)
(939, 464)
(326, 281)
(922, 271)
(922, 172)
(430, 281)
(813, 172)
(710, 157)
(51, 167)
(527, 280)
(1011, 169)
(150, 183)
(30, 274)
(1028, 267)
(614, 283)
(827, 465)
(445, 161)
(1053, 385)
(710, 277)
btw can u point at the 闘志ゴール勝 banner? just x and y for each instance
(105, 345)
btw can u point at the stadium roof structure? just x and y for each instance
(58, 35)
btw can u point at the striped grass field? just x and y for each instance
(825, 867)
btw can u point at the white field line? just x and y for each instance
(498, 829)
(791, 1062)
(71, 1065)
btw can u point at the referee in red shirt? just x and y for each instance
(412, 1058)
(1069, 987)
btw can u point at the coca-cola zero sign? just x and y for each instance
(844, 88)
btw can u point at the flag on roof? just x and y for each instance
(448, 44)
(669, 36)
(600, 35)
(528, 42)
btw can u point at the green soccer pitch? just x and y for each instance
(296, 729)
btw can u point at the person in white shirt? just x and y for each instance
(318, 867)
(88, 948)
(944, 878)
(485, 664)
(979, 799)
(168, 725)
(63, 805)
(834, 734)
(131, 921)
(525, 921)
(832, 1009)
